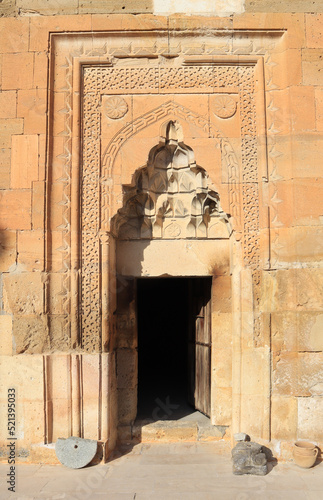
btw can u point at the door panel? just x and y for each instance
(200, 344)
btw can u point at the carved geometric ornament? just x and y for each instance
(170, 197)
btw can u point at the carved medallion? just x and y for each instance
(224, 106)
(115, 107)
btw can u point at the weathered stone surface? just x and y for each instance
(127, 368)
(8, 240)
(114, 6)
(23, 293)
(248, 458)
(8, 8)
(6, 335)
(310, 418)
(75, 452)
(287, 6)
(30, 334)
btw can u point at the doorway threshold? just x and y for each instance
(192, 427)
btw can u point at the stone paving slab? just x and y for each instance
(190, 471)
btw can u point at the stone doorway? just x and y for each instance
(174, 347)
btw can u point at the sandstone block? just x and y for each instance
(309, 244)
(309, 327)
(31, 249)
(221, 330)
(58, 369)
(310, 374)
(312, 66)
(25, 373)
(114, 6)
(15, 210)
(128, 21)
(284, 417)
(41, 156)
(319, 108)
(38, 205)
(284, 327)
(221, 294)
(127, 405)
(6, 335)
(285, 374)
(24, 161)
(288, 6)
(314, 31)
(91, 417)
(50, 8)
(33, 422)
(14, 35)
(221, 400)
(8, 104)
(17, 71)
(302, 109)
(309, 284)
(166, 431)
(40, 26)
(7, 249)
(32, 106)
(90, 364)
(30, 334)
(23, 293)
(310, 418)
(9, 127)
(258, 19)
(307, 151)
(222, 367)
(5, 155)
(58, 325)
(40, 70)
(252, 414)
(127, 368)
(290, 58)
(308, 201)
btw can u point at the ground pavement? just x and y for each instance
(185, 471)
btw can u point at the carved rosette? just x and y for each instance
(224, 106)
(115, 107)
(170, 197)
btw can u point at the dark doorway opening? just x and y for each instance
(171, 314)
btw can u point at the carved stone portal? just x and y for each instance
(170, 197)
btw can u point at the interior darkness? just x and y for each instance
(163, 316)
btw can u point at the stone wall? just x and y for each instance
(269, 329)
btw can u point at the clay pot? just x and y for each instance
(305, 454)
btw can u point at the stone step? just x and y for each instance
(164, 431)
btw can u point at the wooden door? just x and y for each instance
(199, 345)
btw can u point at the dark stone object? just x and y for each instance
(248, 458)
(75, 452)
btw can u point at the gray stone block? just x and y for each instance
(248, 458)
